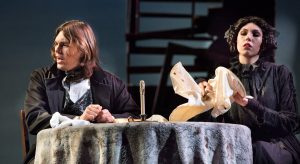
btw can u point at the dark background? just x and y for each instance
(26, 31)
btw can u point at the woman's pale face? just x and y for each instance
(249, 40)
(67, 55)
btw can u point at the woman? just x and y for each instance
(75, 85)
(272, 113)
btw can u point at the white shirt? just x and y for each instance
(77, 89)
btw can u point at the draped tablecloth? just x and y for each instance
(146, 143)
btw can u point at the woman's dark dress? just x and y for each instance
(271, 115)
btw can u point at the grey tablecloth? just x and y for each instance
(146, 142)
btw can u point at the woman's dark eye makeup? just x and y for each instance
(244, 32)
(255, 33)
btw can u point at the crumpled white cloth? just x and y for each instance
(59, 121)
(225, 85)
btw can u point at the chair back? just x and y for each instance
(24, 134)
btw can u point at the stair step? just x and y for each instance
(183, 34)
(183, 1)
(141, 50)
(157, 69)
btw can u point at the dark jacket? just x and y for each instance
(46, 95)
(272, 114)
(273, 111)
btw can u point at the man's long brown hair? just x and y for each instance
(82, 35)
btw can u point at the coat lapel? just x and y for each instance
(101, 95)
(55, 93)
(101, 91)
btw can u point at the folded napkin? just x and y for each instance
(225, 85)
(59, 121)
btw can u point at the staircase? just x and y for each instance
(162, 32)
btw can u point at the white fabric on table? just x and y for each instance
(59, 121)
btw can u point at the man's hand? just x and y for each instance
(91, 112)
(105, 117)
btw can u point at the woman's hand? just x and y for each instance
(242, 101)
(91, 112)
(205, 88)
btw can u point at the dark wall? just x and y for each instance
(26, 30)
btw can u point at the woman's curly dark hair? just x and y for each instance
(269, 43)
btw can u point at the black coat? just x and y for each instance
(46, 95)
(272, 114)
(273, 111)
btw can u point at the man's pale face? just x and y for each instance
(67, 55)
(249, 40)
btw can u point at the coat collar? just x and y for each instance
(98, 76)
